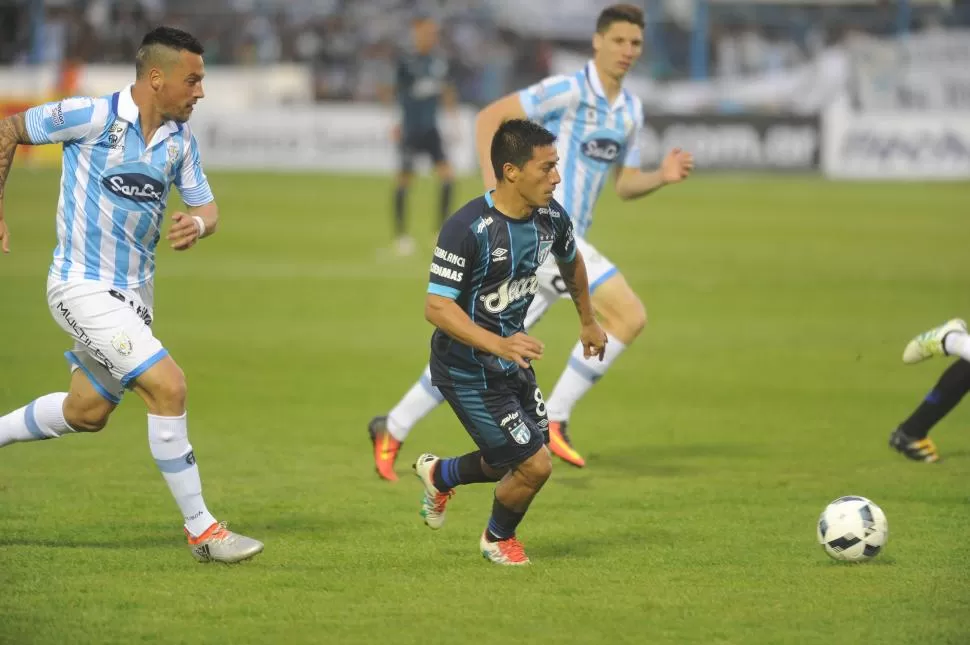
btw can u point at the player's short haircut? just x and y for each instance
(159, 45)
(619, 13)
(514, 142)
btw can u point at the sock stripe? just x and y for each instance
(31, 420)
(585, 371)
(497, 531)
(178, 464)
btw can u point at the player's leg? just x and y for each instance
(446, 176)
(404, 243)
(525, 478)
(622, 317)
(387, 433)
(160, 382)
(911, 437)
(81, 409)
(480, 412)
(93, 393)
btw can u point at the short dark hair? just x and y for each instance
(164, 38)
(514, 142)
(619, 13)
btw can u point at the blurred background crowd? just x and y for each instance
(494, 45)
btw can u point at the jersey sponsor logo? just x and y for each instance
(551, 212)
(57, 116)
(544, 247)
(449, 257)
(499, 254)
(483, 224)
(135, 183)
(426, 88)
(446, 273)
(134, 186)
(509, 292)
(601, 148)
(512, 416)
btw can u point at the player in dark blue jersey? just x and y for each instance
(483, 277)
(421, 83)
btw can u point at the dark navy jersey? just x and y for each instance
(421, 79)
(486, 262)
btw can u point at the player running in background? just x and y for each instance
(421, 83)
(483, 277)
(122, 154)
(597, 123)
(949, 339)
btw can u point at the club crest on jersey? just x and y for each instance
(544, 247)
(602, 146)
(173, 153)
(509, 292)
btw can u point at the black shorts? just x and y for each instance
(507, 421)
(428, 143)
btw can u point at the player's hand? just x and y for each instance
(396, 133)
(676, 166)
(4, 233)
(184, 232)
(593, 339)
(520, 348)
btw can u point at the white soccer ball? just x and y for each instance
(852, 528)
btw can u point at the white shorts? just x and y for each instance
(552, 287)
(111, 327)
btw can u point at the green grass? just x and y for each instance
(766, 385)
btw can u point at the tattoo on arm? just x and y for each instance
(13, 132)
(570, 273)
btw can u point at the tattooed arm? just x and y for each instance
(574, 276)
(13, 132)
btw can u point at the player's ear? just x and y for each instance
(155, 78)
(510, 171)
(597, 41)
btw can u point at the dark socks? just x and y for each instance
(400, 196)
(502, 524)
(456, 471)
(953, 384)
(445, 203)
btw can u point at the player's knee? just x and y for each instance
(170, 393)
(537, 469)
(635, 319)
(625, 321)
(87, 416)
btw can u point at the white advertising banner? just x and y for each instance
(351, 138)
(895, 145)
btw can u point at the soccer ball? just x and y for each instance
(852, 528)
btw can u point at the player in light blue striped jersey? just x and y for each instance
(597, 124)
(122, 155)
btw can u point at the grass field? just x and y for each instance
(765, 386)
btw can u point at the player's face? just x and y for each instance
(540, 176)
(618, 48)
(425, 35)
(181, 87)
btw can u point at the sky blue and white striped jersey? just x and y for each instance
(593, 135)
(113, 186)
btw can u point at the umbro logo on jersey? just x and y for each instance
(499, 254)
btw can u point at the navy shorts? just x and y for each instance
(507, 421)
(428, 143)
